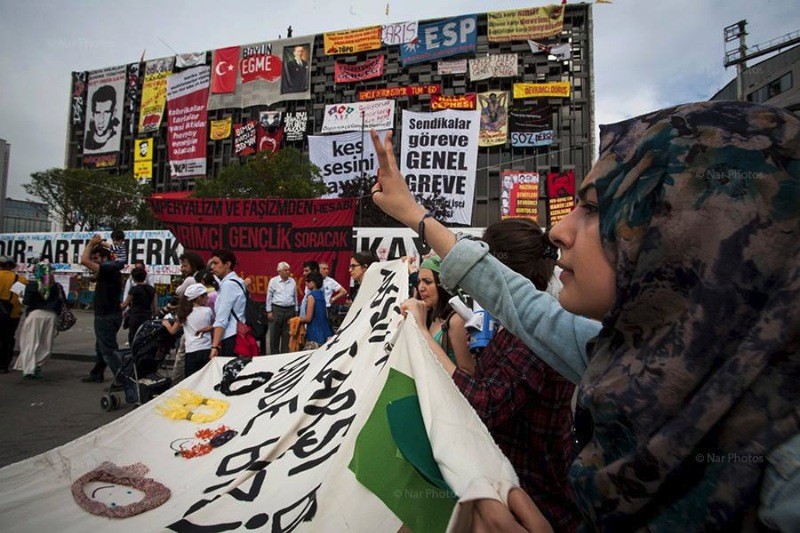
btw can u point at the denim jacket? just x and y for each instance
(556, 336)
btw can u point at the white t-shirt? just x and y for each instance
(199, 318)
(329, 286)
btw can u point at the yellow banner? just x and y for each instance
(557, 89)
(154, 94)
(220, 129)
(143, 159)
(352, 41)
(521, 24)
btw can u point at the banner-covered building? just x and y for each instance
(492, 95)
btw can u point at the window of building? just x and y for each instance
(772, 89)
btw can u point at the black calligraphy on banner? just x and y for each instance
(133, 91)
(245, 138)
(316, 396)
(78, 99)
(295, 125)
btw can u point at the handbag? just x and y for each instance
(66, 318)
(246, 345)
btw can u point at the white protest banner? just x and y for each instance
(458, 66)
(377, 114)
(305, 441)
(399, 33)
(493, 66)
(342, 158)
(438, 158)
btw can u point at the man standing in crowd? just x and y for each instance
(331, 288)
(281, 306)
(10, 309)
(107, 312)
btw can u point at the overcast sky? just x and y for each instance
(648, 54)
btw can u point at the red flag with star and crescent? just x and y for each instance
(225, 67)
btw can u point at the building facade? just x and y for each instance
(5, 155)
(771, 81)
(572, 148)
(21, 216)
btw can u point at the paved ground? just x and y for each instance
(38, 415)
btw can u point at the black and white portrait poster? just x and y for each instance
(105, 101)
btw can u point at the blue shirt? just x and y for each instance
(230, 298)
(554, 334)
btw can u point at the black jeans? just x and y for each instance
(8, 332)
(194, 361)
(105, 333)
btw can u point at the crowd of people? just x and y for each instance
(657, 391)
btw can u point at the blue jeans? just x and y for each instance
(105, 333)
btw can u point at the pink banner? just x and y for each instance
(187, 119)
(344, 73)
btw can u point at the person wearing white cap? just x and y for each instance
(198, 321)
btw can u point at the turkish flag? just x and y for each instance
(225, 67)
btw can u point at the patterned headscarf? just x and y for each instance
(43, 272)
(695, 375)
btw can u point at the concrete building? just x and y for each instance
(5, 155)
(573, 116)
(22, 216)
(770, 82)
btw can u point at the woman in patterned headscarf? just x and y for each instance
(42, 300)
(685, 244)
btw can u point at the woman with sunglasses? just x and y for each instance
(685, 245)
(359, 263)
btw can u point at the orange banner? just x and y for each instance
(558, 89)
(521, 24)
(397, 92)
(458, 101)
(352, 41)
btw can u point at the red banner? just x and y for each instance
(519, 195)
(344, 73)
(466, 101)
(270, 138)
(244, 138)
(561, 193)
(263, 232)
(225, 67)
(187, 122)
(397, 92)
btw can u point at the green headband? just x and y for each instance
(433, 263)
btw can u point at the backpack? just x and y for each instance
(254, 314)
(5, 304)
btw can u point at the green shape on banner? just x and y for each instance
(380, 466)
(408, 431)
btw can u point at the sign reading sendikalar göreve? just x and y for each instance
(438, 157)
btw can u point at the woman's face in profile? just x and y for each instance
(588, 278)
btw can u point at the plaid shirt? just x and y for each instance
(526, 406)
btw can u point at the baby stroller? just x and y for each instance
(140, 366)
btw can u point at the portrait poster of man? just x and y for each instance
(105, 105)
(295, 68)
(143, 159)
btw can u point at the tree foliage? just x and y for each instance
(370, 215)
(87, 200)
(285, 174)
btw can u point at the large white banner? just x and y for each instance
(358, 116)
(438, 158)
(159, 249)
(342, 158)
(366, 433)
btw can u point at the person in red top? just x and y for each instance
(524, 403)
